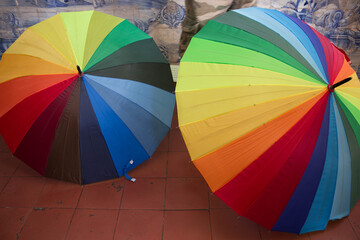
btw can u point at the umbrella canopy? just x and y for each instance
(84, 97)
(269, 111)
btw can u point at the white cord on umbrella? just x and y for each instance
(131, 162)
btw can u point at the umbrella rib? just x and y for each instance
(85, 42)
(232, 54)
(232, 86)
(122, 64)
(282, 98)
(133, 101)
(317, 60)
(296, 41)
(57, 50)
(231, 44)
(136, 138)
(40, 59)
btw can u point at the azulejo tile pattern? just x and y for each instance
(161, 19)
(339, 20)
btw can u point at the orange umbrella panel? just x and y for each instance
(84, 97)
(270, 112)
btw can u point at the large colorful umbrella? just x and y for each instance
(269, 111)
(84, 96)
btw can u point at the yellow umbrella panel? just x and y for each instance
(269, 111)
(84, 97)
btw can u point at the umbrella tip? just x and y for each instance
(332, 87)
(79, 70)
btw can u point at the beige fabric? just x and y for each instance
(198, 12)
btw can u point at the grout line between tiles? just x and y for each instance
(32, 209)
(72, 217)
(1, 190)
(66, 208)
(168, 141)
(259, 231)
(42, 189)
(118, 214)
(166, 177)
(352, 227)
(209, 209)
(22, 227)
(27, 176)
(127, 209)
(18, 166)
(186, 209)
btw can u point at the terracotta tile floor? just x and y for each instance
(169, 201)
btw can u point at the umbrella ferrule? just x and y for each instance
(79, 70)
(332, 87)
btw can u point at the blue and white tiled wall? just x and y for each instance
(161, 19)
(339, 20)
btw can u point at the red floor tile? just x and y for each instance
(92, 224)
(6, 155)
(8, 164)
(153, 167)
(354, 219)
(11, 222)
(272, 235)
(47, 224)
(216, 202)
(226, 224)
(25, 171)
(189, 225)
(180, 165)
(338, 230)
(167, 181)
(59, 194)
(144, 194)
(164, 145)
(176, 142)
(139, 225)
(3, 146)
(3, 182)
(102, 195)
(186, 193)
(21, 192)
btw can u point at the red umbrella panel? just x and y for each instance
(270, 112)
(84, 97)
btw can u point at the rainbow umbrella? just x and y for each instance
(84, 97)
(269, 111)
